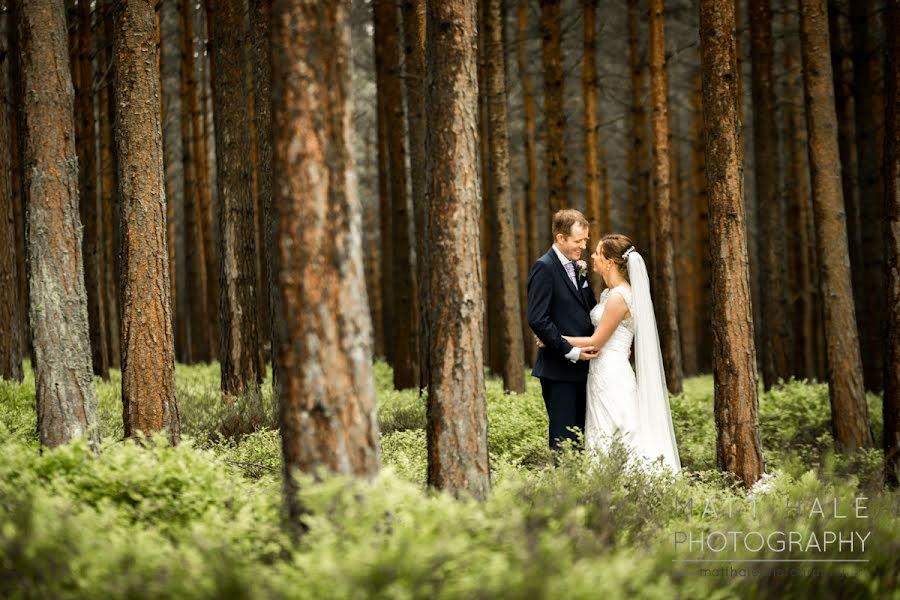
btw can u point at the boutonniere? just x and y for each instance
(582, 268)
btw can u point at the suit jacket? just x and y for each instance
(557, 308)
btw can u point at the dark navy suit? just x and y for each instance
(556, 307)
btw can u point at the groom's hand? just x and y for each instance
(588, 353)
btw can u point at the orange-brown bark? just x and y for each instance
(148, 344)
(457, 420)
(322, 329)
(66, 399)
(554, 106)
(738, 448)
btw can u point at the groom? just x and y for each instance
(559, 303)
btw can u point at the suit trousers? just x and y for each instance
(565, 402)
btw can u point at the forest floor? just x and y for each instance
(204, 519)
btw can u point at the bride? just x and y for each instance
(619, 405)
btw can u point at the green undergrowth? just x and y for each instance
(204, 519)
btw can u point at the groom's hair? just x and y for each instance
(565, 219)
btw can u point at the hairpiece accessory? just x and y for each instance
(627, 252)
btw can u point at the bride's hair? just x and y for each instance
(614, 246)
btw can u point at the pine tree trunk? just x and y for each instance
(457, 419)
(173, 156)
(803, 272)
(405, 294)
(414, 79)
(869, 102)
(554, 106)
(702, 259)
(195, 247)
(503, 270)
(590, 93)
(85, 145)
(323, 333)
(66, 399)
(260, 24)
(891, 406)
(380, 32)
(530, 138)
(776, 339)
(531, 232)
(11, 323)
(148, 344)
(637, 159)
(18, 178)
(490, 288)
(109, 185)
(666, 299)
(738, 448)
(238, 293)
(850, 415)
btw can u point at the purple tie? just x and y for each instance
(570, 269)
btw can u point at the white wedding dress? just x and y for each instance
(611, 386)
(620, 405)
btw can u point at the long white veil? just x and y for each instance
(656, 434)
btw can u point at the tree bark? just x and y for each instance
(590, 93)
(457, 419)
(323, 333)
(380, 32)
(238, 293)
(702, 259)
(738, 448)
(260, 29)
(891, 406)
(405, 294)
(504, 273)
(148, 345)
(530, 138)
(173, 159)
(529, 224)
(637, 159)
(66, 399)
(11, 323)
(869, 103)
(776, 338)
(554, 107)
(85, 146)
(850, 418)
(414, 79)
(666, 298)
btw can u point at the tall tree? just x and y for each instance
(891, 407)
(66, 399)
(529, 203)
(776, 334)
(554, 107)
(148, 343)
(457, 416)
(171, 59)
(734, 362)
(869, 102)
(637, 159)
(238, 297)
(322, 328)
(666, 299)
(380, 32)
(196, 276)
(503, 271)
(702, 264)
(85, 147)
(590, 93)
(414, 80)
(109, 189)
(530, 137)
(850, 415)
(11, 325)
(405, 293)
(260, 30)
